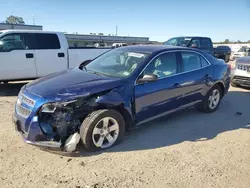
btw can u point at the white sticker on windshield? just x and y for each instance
(126, 73)
(134, 54)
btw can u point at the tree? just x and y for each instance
(226, 41)
(14, 20)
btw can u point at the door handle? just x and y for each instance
(207, 76)
(61, 55)
(30, 55)
(176, 85)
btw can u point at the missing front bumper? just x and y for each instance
(36, 137)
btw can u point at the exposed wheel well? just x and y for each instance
(127, 118)
(129, 122)
(222, 87)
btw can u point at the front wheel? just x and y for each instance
(212, 100)
(102, 129)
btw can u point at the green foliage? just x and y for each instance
(14, 20)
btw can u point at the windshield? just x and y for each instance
(118, 62)
(180, 41)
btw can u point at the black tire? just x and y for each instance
(92, 119)
(204, 107)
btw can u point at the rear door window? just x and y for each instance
(205, 44)
(47, 41)
(195, 43)
(192, 61)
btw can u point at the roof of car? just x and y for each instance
(153, 48)
(190, 37)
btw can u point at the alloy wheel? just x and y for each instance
(105, 132)
(214, 99)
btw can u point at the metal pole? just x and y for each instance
(33, 17)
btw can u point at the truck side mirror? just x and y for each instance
(194, 46)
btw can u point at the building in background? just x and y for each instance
(79, 40)
(86, 40)
(4, 26)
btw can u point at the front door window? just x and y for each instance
(163, 66)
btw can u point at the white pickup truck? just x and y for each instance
(26, 54)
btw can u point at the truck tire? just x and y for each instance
(233, 84)
(102, 129)
(212, 100)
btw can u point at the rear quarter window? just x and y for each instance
(47, 41)
(205, 44)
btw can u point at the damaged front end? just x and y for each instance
(61, 121)
(56, 125)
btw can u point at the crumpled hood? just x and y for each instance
(70, 84)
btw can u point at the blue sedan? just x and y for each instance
(123, 88)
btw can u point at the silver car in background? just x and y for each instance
(240, 72)
(242, 52)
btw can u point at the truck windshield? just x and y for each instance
(179, 41)
(117, 63)
(243, 49)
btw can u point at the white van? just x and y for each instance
(26, 54)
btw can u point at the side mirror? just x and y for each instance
(1, 46)
(194, 46)
(85, 63)
(148, 78)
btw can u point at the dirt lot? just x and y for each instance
(188, 150)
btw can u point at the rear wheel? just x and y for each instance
(102, 129)
(212, 100)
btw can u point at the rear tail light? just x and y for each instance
(231, 65)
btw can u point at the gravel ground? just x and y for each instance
(191, 149)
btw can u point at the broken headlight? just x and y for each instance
(51, 107)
